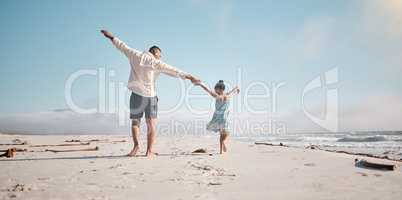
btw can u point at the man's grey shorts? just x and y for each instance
(140, 104)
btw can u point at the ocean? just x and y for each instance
(66, 122)
(379, 143)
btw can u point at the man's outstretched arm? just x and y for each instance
(192, 79)
(120, 44)
(172, 71)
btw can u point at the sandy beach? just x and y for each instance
(247, 171)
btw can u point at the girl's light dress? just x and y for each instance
(219, 119)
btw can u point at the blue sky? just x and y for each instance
(43, 42)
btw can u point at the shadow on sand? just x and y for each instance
(105, 157)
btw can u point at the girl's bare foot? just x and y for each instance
(133, 152)
(224, 147)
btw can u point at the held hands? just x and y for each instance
(197, 82)
(193, 80)
(107, 34)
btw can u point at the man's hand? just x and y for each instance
(197, 83)
(193, 79)
(107, 34)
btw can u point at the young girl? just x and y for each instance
(218, 122)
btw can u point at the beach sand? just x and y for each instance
(247, 171)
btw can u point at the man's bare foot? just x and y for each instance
(133, 152)
(150, 154)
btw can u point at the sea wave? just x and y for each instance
(363, 139)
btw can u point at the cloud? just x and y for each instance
(309, 41)
(314, 35)
(372, 114)
(222, 13)
(380, 33)
(384, 17)
(375, 113)
(224, 17)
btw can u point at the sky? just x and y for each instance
(254, 45)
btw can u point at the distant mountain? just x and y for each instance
(66, 121)
(61, 121)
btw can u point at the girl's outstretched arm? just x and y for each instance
(233, 91)
(209, 91)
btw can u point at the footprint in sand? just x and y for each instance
(362, 173)
(202, 167)
(214, 183)
(266, 151)
(203, 196)
(124, 186)
(309, 164)
(120, 187)
(115, 166)
(19, 188)
(178, 179)
(43, 179)
(73, 179)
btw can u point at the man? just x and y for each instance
(145, 68)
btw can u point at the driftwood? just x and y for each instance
(95, 140)
(16, 142)
(9, 153)
(200, 151)
(313, 147)
(334, 151)
(16, 150)
(11, 144)
(355, 154)
(73, 150)
(214, 183)
(57, 145)
(119, 141)
(374, 165)
(270, 144)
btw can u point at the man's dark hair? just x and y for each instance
(153, 49)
